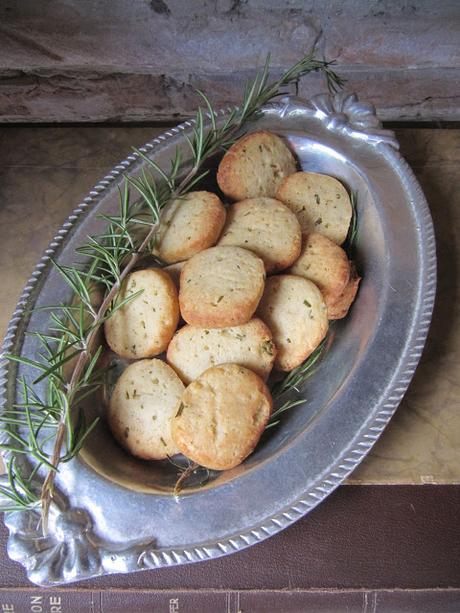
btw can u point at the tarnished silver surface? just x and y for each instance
(116, 514)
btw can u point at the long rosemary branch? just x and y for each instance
(112, 257)
(83, 358)
(87, 353)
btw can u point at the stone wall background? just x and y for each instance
(139, 60)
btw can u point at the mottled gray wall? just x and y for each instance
(125, 60)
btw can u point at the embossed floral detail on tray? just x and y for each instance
(69, 550)
(341, 112)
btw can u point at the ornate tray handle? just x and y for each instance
(70, 551)
(341, 112)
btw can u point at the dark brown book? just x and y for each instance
(366, 548)
(216, 601)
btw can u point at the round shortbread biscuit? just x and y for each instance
(255, 166)
(221, 287)
(194, 350)
(222, 416)
(340, 307)
(188, 225)
(266, 227)
(294, 310)
(143, 327)
(321, 204)
(324, 263)
(144, 401)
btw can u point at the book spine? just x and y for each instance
(48, 600)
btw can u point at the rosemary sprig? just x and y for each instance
(296, 378)
(293, 382)
(67, 364)
(289, 404)
(186, 472)
(72, 339)
(350, 242)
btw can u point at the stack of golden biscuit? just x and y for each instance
(209, 400)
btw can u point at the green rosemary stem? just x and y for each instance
(184, 476)
(48, 485)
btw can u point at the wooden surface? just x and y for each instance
(46, 172)
(121, 61)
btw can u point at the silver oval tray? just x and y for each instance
(116, 514)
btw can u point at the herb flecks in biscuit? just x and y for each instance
(294, 310)
(255, 166)
(266, 227)
(324, 263)
(222, 417)
(221, 287)
(321, 204)
(143, 327)
(188, 225)
(143, 403)
(194, 350)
